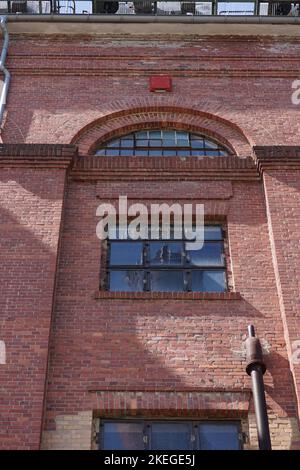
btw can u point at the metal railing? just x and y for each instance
(148, 7)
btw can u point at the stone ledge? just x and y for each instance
(106, 295)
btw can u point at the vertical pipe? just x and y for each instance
(256, 368)
(5, 86)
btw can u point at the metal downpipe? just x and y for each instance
(6, 82)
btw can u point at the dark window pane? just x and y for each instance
(171, 436)
(165, 254)
(167, 281)
(218, 436)
(208, 281)
(123, 436)
(127, 253)
(126, 281)
(211, 254)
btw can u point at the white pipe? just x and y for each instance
(3, 69)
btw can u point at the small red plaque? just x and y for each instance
(160, 83)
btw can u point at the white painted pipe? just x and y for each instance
(5, 86)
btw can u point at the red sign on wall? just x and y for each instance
(160, 83)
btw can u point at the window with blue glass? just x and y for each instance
(157, 143)
(167, 265)
(169, 435)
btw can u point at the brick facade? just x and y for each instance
(75, 353)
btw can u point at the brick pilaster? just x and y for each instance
(32, 186)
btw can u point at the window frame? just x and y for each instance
(210, 147)
(185, 268)
(195, 439)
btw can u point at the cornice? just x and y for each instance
(36, 155)
(277, 157)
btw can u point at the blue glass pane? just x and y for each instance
(182, 143)
(100, 152)
(141, 153)
(197, 143)
(126, 143)
(155, 153)
(126, 281)
(127, 253)
(210, 144)
(112, 152)
(182, 135)
(155, 134)
(114, 143)
(154, 143)
(183, 153)
(123, 436)
(198, 153)
(213, 232)
(212, 153)
(165, 254)
(171, 436)
(167, 281)
(142, 143)
(218, 436)
(141, 135)
(169, 153)
(211, 254)
(127, 152)
(169, 143)
(168, 135)
(208, 281)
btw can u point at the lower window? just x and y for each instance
(169, 435)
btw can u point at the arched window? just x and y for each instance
(157, 143)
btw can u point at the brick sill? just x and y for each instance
(168, 295)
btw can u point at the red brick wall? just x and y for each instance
(82, 91)
(164, 344)
(30, 215)
(61, 85)
(282, 192)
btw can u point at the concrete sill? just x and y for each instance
(168, 295)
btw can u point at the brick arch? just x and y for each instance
(129, 120)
